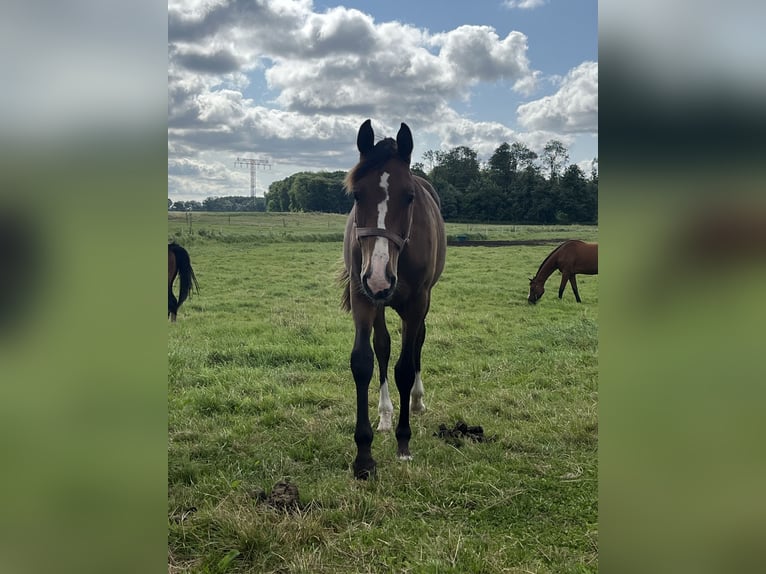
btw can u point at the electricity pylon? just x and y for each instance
(253, 163)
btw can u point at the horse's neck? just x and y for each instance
(547, 268)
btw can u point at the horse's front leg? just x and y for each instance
(381, 341)
(361, 368)
(417, 405)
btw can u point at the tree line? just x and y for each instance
(229, 203)
(515, 186)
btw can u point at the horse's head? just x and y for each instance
(536, 290)
(384, 192)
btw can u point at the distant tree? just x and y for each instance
(450, 199)
(501, 167)
(170, 203)
(278, 196)
(555, 157)
(430, 157)
(418, 169)
(309, 191)
(191, 205)
(521, 157)
(459, 167)
(217, 204)
(525, 195)
(484, 200)
(544, 202)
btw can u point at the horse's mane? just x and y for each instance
(567, 242)
(383, 151)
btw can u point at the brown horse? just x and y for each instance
(179, 264)
(394, 250)
(571, 257)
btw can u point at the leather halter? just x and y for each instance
(395, 238)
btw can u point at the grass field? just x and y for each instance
(260, 391)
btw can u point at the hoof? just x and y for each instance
(385, 423)
(364, 470)
(418, 407)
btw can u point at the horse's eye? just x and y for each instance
(409, 198)
(356, 195)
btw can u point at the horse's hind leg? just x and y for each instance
(416, 395)
(405, 376)
(564, 279)
(381, 341)
(172, 305)
(573, 282)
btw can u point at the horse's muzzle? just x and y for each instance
(379, 292)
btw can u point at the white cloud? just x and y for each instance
(572, 109)
(337, 62)
(324, 74)
(524, 4)
(474, 53)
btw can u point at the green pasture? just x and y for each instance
(260, 390)
(258, 228)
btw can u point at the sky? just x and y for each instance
(291, 81)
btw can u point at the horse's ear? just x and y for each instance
(404, 142)
(365, 139)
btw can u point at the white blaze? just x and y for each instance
(378, 281)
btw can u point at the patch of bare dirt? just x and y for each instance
(456, 436)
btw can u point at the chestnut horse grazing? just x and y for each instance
(571, 257)
(179, 264)
(394, 250)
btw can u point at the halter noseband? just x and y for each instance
(398, 240)
(395, 238)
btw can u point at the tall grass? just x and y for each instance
(260, 390)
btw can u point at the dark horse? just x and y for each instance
(571, 257)
(394, 250)
(179, 264)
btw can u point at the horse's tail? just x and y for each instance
(344, 281)
(185, 273)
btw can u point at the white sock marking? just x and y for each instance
(385, 408)
(416, 395)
